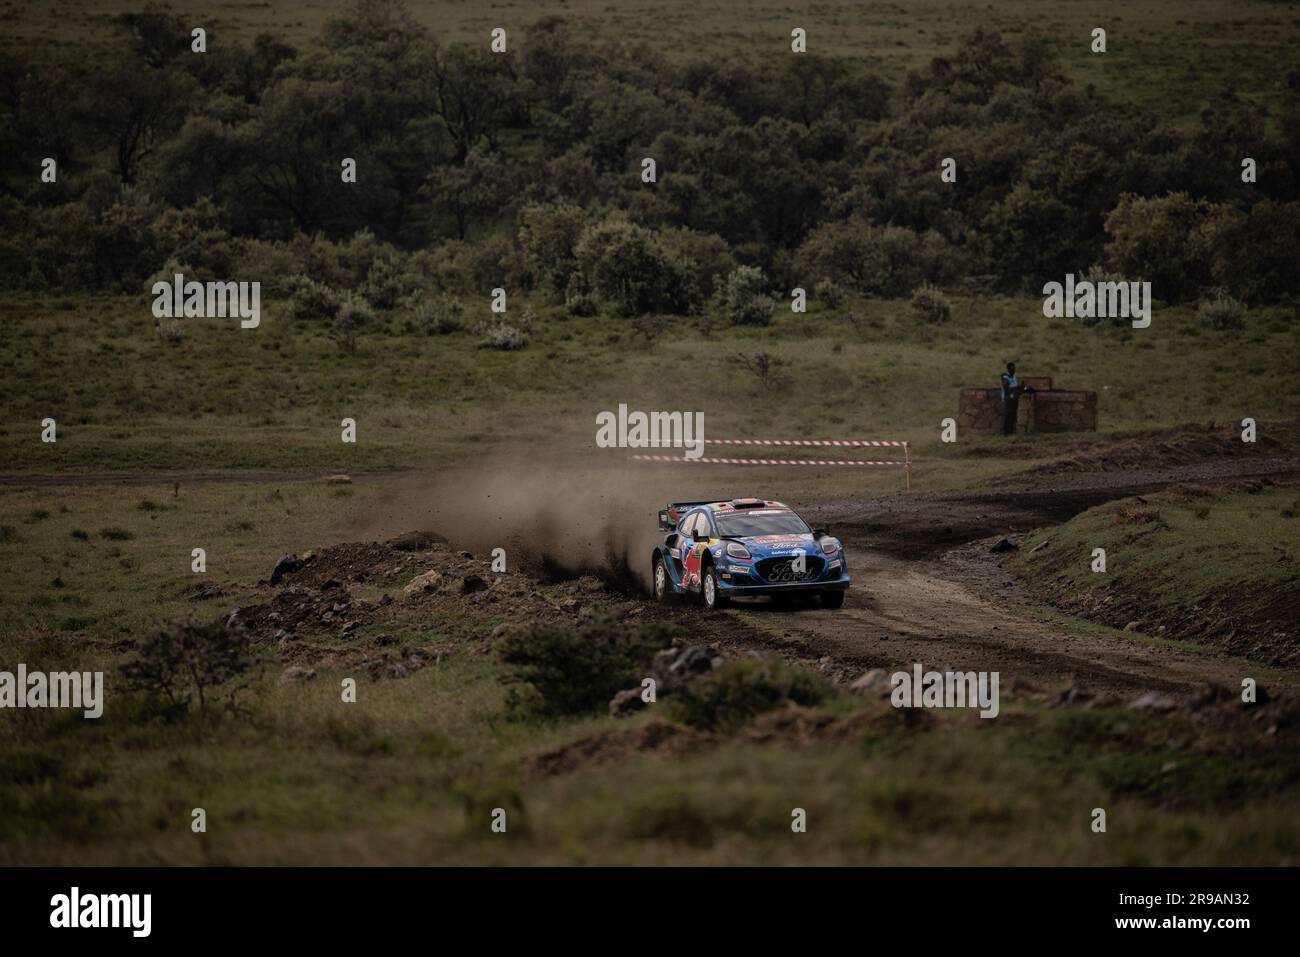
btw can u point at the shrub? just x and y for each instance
(578, 299)
(930, 306)
(116, 534)
(438, 317)
(1098, 276)
(877, 260)
(1222, 312)
(183, 661)
(764, 367)
(548, 236)
(562, 670)
(727, 697)
(828, 294)
(502, 336)
(386, 282)
(353, 317)
(628, 267)
(313, 301)
(745, 300)
(708, 254)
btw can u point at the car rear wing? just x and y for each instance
(670, 515)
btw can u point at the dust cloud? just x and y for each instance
(555, 522)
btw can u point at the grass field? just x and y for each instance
(1176, 59)
(275, 396)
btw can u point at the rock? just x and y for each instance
(467, 555)
(1153, 701)
(1133, 626)
(421, 584)
(286, 564)
(472, 583)
(416, 541)
(384, 599)
(350, 627)
(296, 675)
(1042, 544)
(1005, 545)
(338, 479)
(330, 583)
(694, 660)
(626, 703)
(875, 681)
(206, 592)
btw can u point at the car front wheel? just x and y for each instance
(713, 596)
(659, 580)
(833, 599)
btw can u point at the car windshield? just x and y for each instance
(754, 524)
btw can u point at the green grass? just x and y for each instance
(112, 587)
(274, 397)
(308, 779)
(1184, 557)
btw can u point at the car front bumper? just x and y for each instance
(745, 584)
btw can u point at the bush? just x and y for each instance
(561, 670)
(1098, 275)
(578, 299)
(877, 260)
(728, 696)
(386, 282)
(313, 301)
(353, 317)
(828, 294)
(1222, 312)
(183, 661)
(744, 300)
(628, 267)
(548, 236)
(502, 336)
(438, 317)
(930, 306)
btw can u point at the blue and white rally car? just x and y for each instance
(747, 546)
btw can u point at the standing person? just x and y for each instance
(1011, 392)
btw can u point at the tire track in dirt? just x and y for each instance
(898, 614)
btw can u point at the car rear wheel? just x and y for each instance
(833, 599)
(713, 597)
(659, 580)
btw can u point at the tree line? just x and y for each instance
(523, 169)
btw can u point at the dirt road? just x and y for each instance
(926, 589)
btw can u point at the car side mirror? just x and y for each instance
(819, 532)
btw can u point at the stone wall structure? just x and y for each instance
(1045, 410)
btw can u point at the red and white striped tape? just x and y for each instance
(838, 443)
(718, 461)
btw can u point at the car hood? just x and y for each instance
(779, 544)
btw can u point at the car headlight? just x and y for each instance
(830, 546)
(737, 550)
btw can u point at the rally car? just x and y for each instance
(747, 546)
